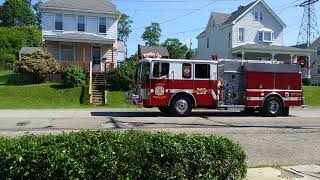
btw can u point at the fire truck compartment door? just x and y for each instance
(205, 84)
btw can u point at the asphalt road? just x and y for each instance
(268, 141)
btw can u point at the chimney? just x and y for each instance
(240, 7)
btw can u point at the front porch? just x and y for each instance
(288, 55)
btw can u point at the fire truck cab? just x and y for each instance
(178, 86)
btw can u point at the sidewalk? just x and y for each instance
(303, 172)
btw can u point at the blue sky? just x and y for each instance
(185, 19)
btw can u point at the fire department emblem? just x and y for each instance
(159, 90)
(201, 91)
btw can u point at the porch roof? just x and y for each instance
(78, 37)
(272, 49)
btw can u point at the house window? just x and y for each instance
(81, 24)
(256, 16)
(161, 70)
(318, 69)
(213, 23)
(267, 36)
(102, 25)
(202, 71)
(208, 42)
(186, 70)
(318, 51)
(260, 36)
(241, 34)
(67, 53)
(261, 16)
(58, 22)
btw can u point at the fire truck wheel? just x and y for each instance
(180, 106)
(272, 107)
(164, 109)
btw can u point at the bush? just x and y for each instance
(84, 97)
(116, 155)
(73, 76)
(38, 64)
(121, 78)
(306, 81)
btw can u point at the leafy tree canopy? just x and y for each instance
(176, 49)
(124, 27)
(152, 34)
(17, 13)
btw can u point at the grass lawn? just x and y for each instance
(47, 95)
(312, 96)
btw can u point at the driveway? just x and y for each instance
(267, 141)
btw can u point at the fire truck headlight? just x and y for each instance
(262, 94)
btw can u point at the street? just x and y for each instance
(268, 141)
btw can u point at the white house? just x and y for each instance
(252, 32)
(80, 31)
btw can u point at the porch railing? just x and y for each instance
(65, 64)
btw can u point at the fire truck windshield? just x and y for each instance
(143, 72)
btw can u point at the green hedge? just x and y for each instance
(116, 155)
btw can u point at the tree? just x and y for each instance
(38, 13)
(17, 13)
(176, 49)
(152, 34)
(124, 27)
(192, 54)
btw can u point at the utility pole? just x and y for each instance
(190, 47)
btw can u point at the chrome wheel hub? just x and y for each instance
(181, 106)
(273, 107)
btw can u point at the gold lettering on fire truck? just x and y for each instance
(201, 91)
(159, 91)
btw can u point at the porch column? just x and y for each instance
(273, 55)
(309, 66)
(243, 55)
(291, 57)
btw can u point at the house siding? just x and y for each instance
(252, 27)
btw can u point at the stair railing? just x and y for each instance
(90, 83)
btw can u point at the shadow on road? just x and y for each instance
(159, 114)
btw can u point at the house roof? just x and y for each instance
(29, 50)
(220, 18)
(270, 48)
(79, 37)
(236, 14)
(104, 6)
(163, 51)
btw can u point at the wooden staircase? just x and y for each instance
(98, 83)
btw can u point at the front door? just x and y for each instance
(96, 59)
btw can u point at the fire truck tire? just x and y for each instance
(164, 109)
(180, 106)
(272, 107)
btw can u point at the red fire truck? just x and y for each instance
(178, 86)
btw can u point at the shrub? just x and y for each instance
(38, 64)
(84, 97)
(121, 78)
(306, 81)
(73, 76)
(116, 155)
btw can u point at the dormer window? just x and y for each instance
(265, 35)
(58, 22)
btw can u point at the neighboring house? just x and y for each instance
(252, 32)
(315, 60)
(80, 32)
(145, 51)
(121, 52)
(28, 50)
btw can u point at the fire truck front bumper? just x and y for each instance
(133, 99)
